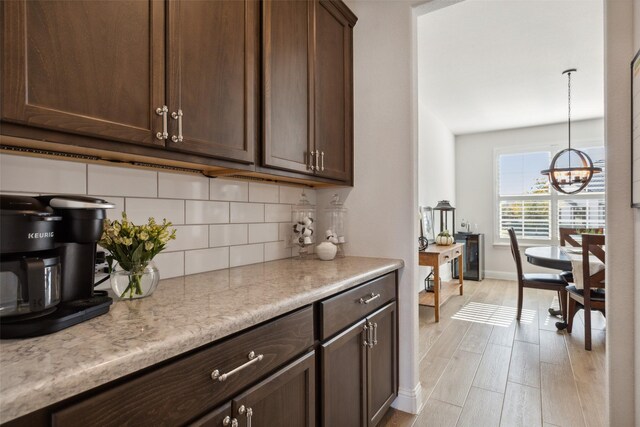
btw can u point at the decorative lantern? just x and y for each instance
(564, 175)
(444, 207)
(303, 227)
(336, 215)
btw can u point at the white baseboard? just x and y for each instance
(501, 275)
(408, 400)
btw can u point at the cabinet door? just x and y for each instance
(285, 399)
(382, 363)
(288, 84)
(212, 77)
(333, 92)
(344, 379)
(87, 67)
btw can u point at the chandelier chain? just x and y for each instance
(569, 109)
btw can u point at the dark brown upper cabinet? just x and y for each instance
(247, 86)
(212, 77)
(308, 90)
(288, 84)
(85, 67)
(98, 69)
(334, 90)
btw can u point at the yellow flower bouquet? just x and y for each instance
(133, 247)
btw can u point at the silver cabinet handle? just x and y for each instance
(217, 376)
(177, 115)
(371, 298)
(162, 111)
(248, 411)
(229, 422)
(311, 166)
(375, 334)
(317, 160)
(370, 344)
(322, 160)
(365, 341)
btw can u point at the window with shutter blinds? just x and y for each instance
(526, 202)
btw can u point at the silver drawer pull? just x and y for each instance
(311, 166)
(371, 298)
(217, 376)
(365, 341)
(162, 111)
(322, 160)
(375, 334)
(177, 116)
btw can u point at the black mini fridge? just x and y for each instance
(473, 268)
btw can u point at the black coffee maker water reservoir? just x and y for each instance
(59, 233)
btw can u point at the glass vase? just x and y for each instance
(139, 282)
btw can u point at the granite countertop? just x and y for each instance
(184, 313)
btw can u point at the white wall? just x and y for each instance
(383, 203)
(623, 343)
(436, 164)
(219, 223)
(475, 184)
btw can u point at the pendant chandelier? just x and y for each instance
(571, 170)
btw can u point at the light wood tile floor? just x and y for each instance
(479, 367)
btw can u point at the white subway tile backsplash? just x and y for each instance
(206, 260)
(233, 191)
(205, 212)
(139, 210)
(266, 193)
(259, 233)
(116, 181)
(219, 222)
(276, 250)
(183, 186)
(34, 174)
(170, 264)
(189, 237)
(277, 213)
(285, 231)
(247, 212)
(290, 195)
(244, 255)
(228, 235)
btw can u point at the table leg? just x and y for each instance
(436, 290)
(460, 272)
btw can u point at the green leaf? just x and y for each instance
(137, 254)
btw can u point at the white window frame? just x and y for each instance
(553, 197)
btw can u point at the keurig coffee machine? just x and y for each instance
(47, 263)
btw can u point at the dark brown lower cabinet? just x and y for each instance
(360, 371)
(382, 364)
(286, 399)
(344, 360)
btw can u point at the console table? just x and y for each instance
(434, 256)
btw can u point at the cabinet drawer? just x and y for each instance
(338, 312)
(177, 392)
(450, 255)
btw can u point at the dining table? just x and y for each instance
(554, 257)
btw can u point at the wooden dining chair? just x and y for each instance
(567, 239)
(552, 282)
(566, 235)
(592, 297)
